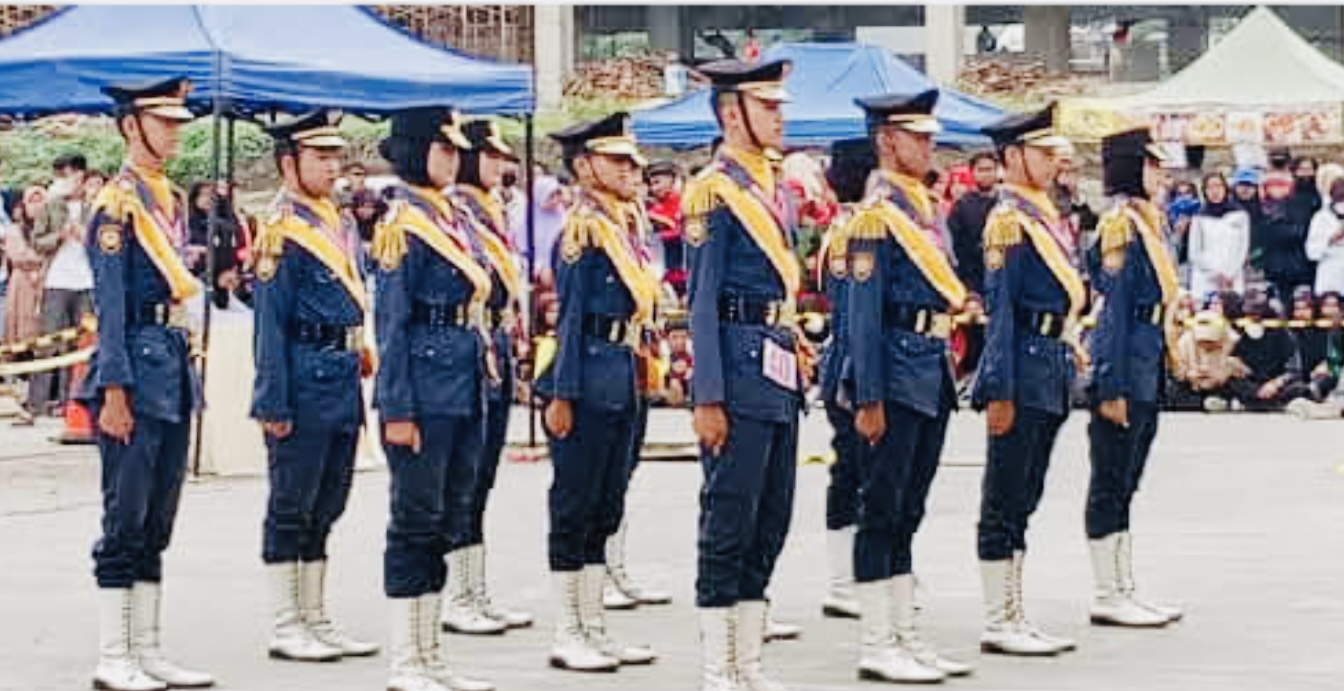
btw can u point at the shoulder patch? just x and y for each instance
(109, 238)
(697, 202)
(266, 267)
(862, 264)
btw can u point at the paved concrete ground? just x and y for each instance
(1241, 519)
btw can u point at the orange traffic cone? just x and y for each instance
(78, 425)
(78, 422)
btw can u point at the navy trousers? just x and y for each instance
(897, 474)
(496, 433)
(842, 495)
(431, 503)
(1119, 456)
(591, 470)
(746, 505)
(1014, 482)
(640, 431)
(142, 486)
(311, 472)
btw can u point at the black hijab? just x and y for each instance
(1219, 209)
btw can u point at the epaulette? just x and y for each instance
(576, 236)
(270, 240)
(389, 245)
(112, 198)
(1114, 230)
(701, 194)
(1003, 228)
(867, 223)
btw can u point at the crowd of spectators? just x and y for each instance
(1260, 253)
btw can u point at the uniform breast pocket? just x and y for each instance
(327, 371)
(1037, 361)
(744, 352)
(152, 356)
(445, 367)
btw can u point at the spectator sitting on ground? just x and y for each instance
(1320, 344)
(1269, 353)
(1205, 369)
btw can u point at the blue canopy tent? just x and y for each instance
(256, 57)
(247, 60)
(824, 81)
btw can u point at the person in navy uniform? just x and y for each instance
(607, 294)
(622, 592)
(310, 355)
(1034, 296)
(433, 350)
(141, 385)
(903, 294)
(747, 384)
(1138, 284)
(852, 162)
(471, 609)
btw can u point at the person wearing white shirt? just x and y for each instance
(1220, 241)
(68, 292)
(1325, 240)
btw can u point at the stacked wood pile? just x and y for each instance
(501, 32)
(15, 17)
(626, 77)
(1021, 78)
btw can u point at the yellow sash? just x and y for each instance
(1055, 260)
(761, 226)
(932, 262)
(637, 277)
(417, 223)
(1157, 254)
(916, 192)
(153, 240)
(322, 248)
(501, 258)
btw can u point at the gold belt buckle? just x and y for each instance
(178, 317)
(787, 314)
(1156, 316)
(921, 321)
(633, 331)
(772, 314)
(941, 327)
(1047, 323)
(354, 339)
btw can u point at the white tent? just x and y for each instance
(1261, 62)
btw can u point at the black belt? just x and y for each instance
(159, 314)
(1048, 324)
(1151, 314)
(742, 310)
(612, 329)
(441, 316)
(916, 319)
(349, 338)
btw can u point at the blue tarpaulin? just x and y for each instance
(824, 81)
(287, 57)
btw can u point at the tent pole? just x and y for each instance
(212, 233)
(529, 166)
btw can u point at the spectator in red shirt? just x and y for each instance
(664, 206)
